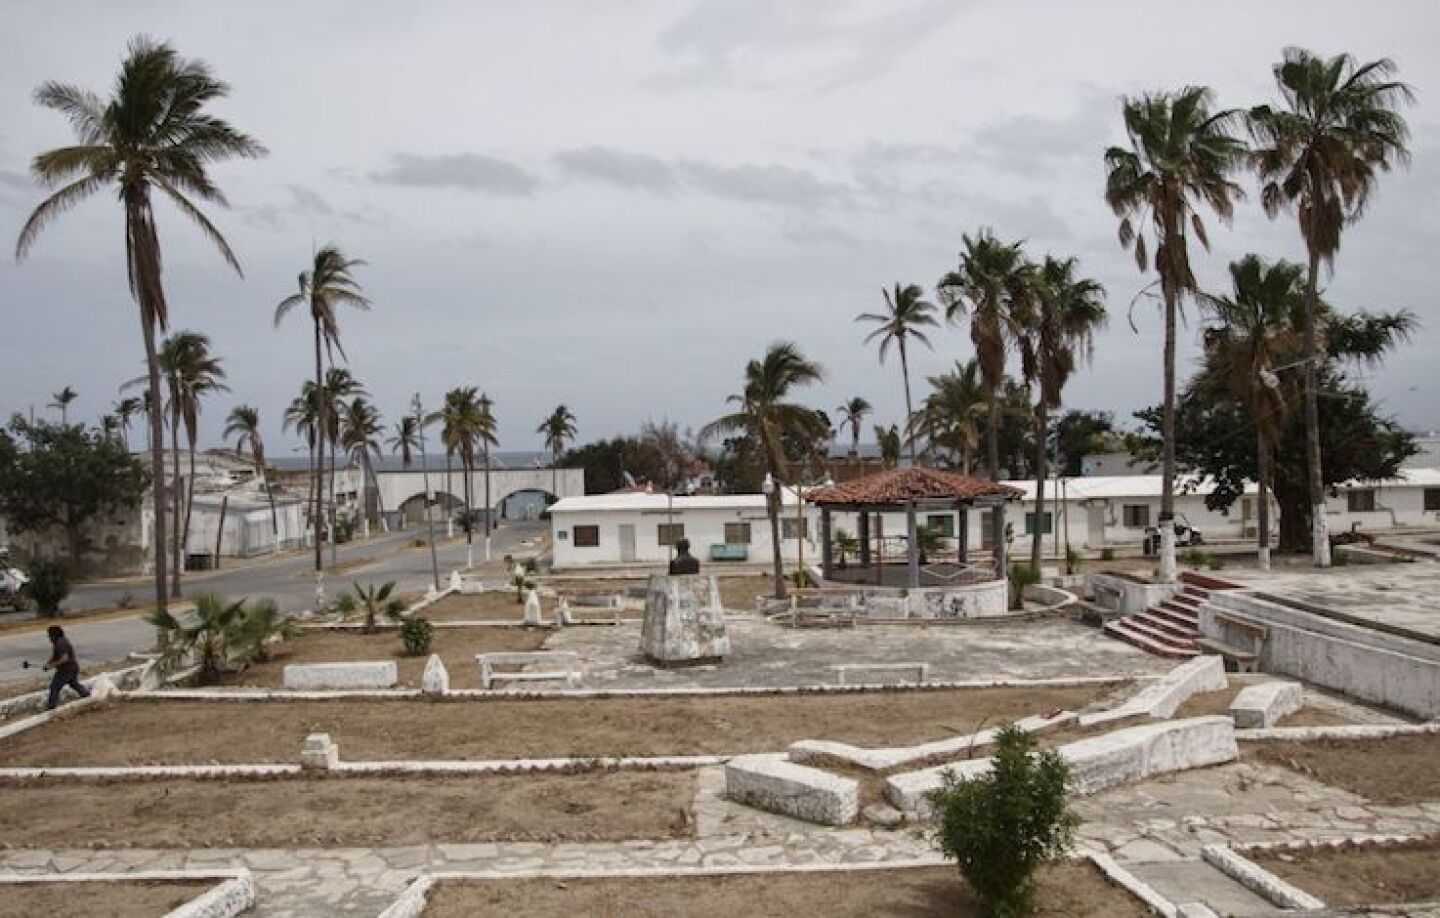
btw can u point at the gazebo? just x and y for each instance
(913, 490)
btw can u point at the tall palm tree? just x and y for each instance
(948, 414)
(991, 286)
(558, 428)
(324, 287)
(62, 400)
(1182, 154)
(339, 387)
(462, 420)
(762, 413)
(360, 439)
(888, 439)
(853, 413)
(1321, 151)
(1065, 312)
(244, 425)
(153, 133)
(447, 417)
(1253, 334)
(485, 431)
(125, 409)
(304, 417)
(406, 440)
(907, 314)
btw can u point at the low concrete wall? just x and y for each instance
(367, 675)
(1162, 698)
(1365, 663)
(232, 894)
(1125, 594)
(1260, 706)
(989, 599)
(777, 786)
(34, 702)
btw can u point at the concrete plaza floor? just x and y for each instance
(1406, 595)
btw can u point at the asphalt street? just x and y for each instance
(289, 580)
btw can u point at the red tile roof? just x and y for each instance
(897, 486)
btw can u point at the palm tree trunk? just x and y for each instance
(487, 501)
(555, 473)
(449, 516)
(176, 549)
(1262, 506)
(155, 437)
(772, 503)
(1319, 534)
(334, 542)
(1167, 462)
(469, 515)
(270, 493)
(190, 498)
(909, 412)
(1042, 423)
(992, 430)
(315, 463)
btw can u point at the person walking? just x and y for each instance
(67, 668)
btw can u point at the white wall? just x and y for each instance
(703, 527)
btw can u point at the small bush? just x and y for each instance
(1107, 554)
(1021, 576)
(1072, 560)
(1001, 827)
(49, 585)
(417, 633)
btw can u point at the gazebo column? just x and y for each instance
(879, 549)
(827, 549)
(963, 531)
(864, 532)
(997, 532)
(912, 555)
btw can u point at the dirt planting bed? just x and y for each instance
(1398, 770)
(494, 606)
(1361, 875)
(118, 899)
(350, 812)
(1219, 703)
(194, 732)
(1076, 891)
(457, 647)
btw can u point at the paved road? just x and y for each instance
(288, 580)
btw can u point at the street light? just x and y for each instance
(425, 471)
(1271, 378)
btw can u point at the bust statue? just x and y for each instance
(684, 562)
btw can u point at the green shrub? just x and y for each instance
(1107, 554)
(260, 622)
(845, 546)
(49, 585)
(1021, 576)
(1000, 827)
(1072, 559)
(417, 633)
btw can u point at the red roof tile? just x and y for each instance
(897, 486)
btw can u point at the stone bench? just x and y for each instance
(367, 675)
(568, 666)
(777, 786)
(1260, 706)
(918, 672)
(1244, 658)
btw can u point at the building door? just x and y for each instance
(1095, 525)
(627, 543)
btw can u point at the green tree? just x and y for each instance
(486, 432)
(558, 429)
(208, 636)
(992, 287)
(125, 409)
(461, 420)
(324, 287)
(360, 429)
(1321, 151)
(1078, 434)
(1181, 155)
(62, 400)
(853, 413)
(763, 413)
(153, 134)
(406, 441)
(340, 387)
(1057, 334)
(949, 415)
(889, 441)
(907, 314)
(65, 477)
(244, 425)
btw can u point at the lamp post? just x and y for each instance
(425, 471)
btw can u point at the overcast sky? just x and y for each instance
(613, 206)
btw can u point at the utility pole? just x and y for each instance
(425, 471)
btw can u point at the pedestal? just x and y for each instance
(683, 623)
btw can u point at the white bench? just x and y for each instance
(380, 674)
(919, 672)
(568, 663)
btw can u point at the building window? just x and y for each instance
(1432, 499)
(1362, 501)
(1046, 524)
(737, 533)
(1136, 516)
(942, 524)
(586, 536)
(789, 526)
(669, 533)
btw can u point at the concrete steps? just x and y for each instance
(1171, 627)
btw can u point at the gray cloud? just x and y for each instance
(765, 184)
(466, 171)
(637, 171)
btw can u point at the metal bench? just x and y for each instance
(721, 551)
(1245, 659)
(568, 662)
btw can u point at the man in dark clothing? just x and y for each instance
(684, 562)
(67, 669)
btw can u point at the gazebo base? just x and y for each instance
(982, 599)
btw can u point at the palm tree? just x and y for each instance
(360, 438)
(763, 414)
(907, 314)
(1253, 335)
(1065, 313)
(244, 425)
(1181, 155)
(888, 439)
(448, 418)
(853, 413)
(460, 435)
(125, 409)
(992, 286)
(948, 415)
(558, 428)
(485, 431)
(324, 287)
(304, 417)
(339, 386)
(152, 133)
(1322, 151)
(62, 400)
(406, 440)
